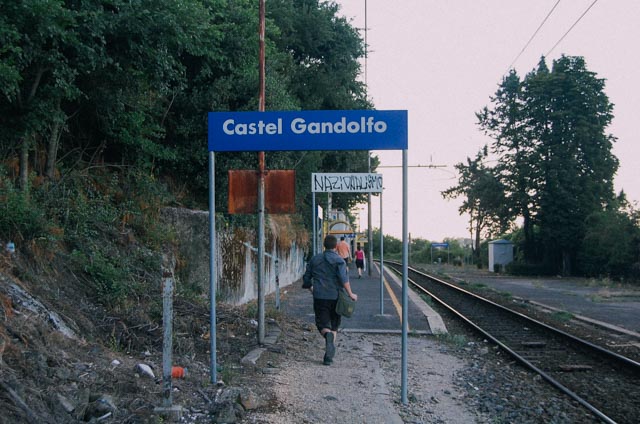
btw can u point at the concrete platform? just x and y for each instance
(372, 315)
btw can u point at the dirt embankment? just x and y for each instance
(64, 358)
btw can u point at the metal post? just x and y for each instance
(261, 177)
(276, 268)
(405, 270)
(370, 230)
(212, 268)
(261, 267)
(167, 334)
(277, 265)
(381, 261)
(314, 216)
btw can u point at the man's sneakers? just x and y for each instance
(326, 360)
(330, 349)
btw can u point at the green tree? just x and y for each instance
(43, 50)
(611, 245)
(484, 199)
(126, 85)
(325, 49)
(554, 155)
(516, 170)
(392, 245)
(576, 161)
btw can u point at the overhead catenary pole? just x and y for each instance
(261, 177)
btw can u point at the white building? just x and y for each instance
(500, 253)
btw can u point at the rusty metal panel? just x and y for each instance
(243, 191)
(279, 191)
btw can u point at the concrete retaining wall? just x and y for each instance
(236, 263)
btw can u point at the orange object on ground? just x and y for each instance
(178, 372)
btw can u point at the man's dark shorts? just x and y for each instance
(326, 316)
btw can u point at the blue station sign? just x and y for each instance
(308, 130)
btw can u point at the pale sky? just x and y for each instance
(443, 60)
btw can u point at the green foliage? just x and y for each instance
(392, 245)
(611, 245)
(103, 114)
(105, 273)
(128, 83)
(485, 199)
(20, 217)
(324, 50)
(555, 165)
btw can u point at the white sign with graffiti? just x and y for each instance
(346, 183)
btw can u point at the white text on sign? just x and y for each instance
(301, 126)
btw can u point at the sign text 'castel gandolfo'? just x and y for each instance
(308, 130)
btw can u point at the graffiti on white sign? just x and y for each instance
(346, 183)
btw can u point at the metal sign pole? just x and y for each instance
(381, 261)
(261, 177)
(212, 268)
(369, 229)
(314, 217)
(405, 270)
(261, 251)
(276, 263)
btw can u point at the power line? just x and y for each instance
(534, 34)
(574, 24)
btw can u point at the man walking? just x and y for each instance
(344, 251)
(327, 273)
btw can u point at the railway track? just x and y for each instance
(604, 382)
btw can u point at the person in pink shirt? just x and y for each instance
(359, 260)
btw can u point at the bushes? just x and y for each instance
(107, 220)
(108, 276)
(117, 275)
(610, 246)
(21, 219)
(110, 225)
